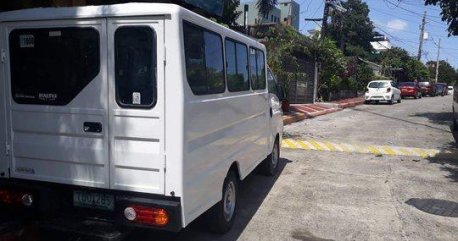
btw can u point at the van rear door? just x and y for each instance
(136, 85)
(57, 106)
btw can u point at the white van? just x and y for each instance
(144, 114)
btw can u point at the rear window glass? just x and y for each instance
(424, 84)
(378, 84)
(51, 66)
(135, 65)
(411, 84)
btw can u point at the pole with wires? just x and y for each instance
(422, 36)
(437, 61)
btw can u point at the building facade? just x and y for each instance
(290, 12)
(286, 12)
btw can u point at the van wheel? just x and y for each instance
(221, 216)
(270, 164)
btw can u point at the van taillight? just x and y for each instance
(15, 198)
(147, 215)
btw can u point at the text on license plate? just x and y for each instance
(93, 200)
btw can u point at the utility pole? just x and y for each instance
(437, 61)
(324, 24)
(422, 36)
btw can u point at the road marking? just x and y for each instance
(312, 144)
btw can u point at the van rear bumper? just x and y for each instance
(52, 200)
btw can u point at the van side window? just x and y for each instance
(204, 60)
(51, 66)
(258, 69)
(237, 66)
(135, 66)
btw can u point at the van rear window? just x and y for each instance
(50, 66)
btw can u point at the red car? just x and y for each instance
(410, 89)
(427, 88)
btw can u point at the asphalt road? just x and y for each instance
(329, 195)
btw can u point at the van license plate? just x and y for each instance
(93, 200)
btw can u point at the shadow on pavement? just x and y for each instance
(253, 190)
(407, 121)
(448, 158)
(441, 118)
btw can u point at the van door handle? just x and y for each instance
(271, 112)
(94, 127)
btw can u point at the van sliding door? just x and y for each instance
(136, 86)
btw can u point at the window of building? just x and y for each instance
(50, 66)
(258, 69)
(237, 66)
(204, 60)
(135, 66)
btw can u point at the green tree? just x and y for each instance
(447, 73)
(265, 6)
(230, 13)
(416, 70)
(354, 28)
(449, 13)
(394, 58)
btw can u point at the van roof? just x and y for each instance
(382, 80)
(105, 11)
(115, 10)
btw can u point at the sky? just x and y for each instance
(400, 21)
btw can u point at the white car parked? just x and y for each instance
(383, 90)
(450, 90)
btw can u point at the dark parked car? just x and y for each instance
(440, 88)
(410, 89)
(427, 88)
(444, 88)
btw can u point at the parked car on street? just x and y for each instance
(383, 90)
(444, 88)
(410, 89)
(427, 88)
(141, 115)
(441, 89)
(450, 90)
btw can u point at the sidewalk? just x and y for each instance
(300, 112)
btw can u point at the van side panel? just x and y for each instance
(4, 160)
(220, 129)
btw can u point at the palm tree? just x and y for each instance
(265, 6)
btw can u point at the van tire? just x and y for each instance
(217, 218)
(270, 164)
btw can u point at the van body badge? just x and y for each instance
(25, 170)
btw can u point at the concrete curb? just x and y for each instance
(332, 107)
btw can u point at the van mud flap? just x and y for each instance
(70, 229)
